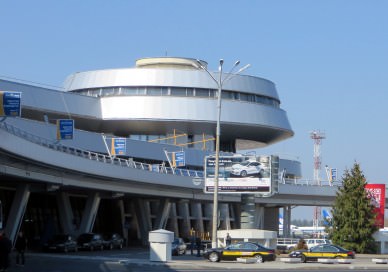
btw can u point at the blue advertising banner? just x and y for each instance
(65, 129)
(10, 103)
(118, 146)
(178, 159)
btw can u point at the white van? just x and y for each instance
(316, 241)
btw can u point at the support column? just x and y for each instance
(259, 217)
(225, 216)
(287, 221)
(143, 216)
(174, 220)
(271, 219)
(124, 231)
(248, 210)
(196, 208)
(66, 216)
(16, 213)
(184, 213)
(163, 213)
(90, 212)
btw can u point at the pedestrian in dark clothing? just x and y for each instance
(20, 246)
(5, 249)
(192, 243)
(198, 244)
(228, 239)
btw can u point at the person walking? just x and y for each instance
(198, 243)
(5, 249)
(228, 240)
(20, 246)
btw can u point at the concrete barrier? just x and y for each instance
(380, 261)
(291, 260)
(246, 260)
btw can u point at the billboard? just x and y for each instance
(10, 103)
(243, 174)
(376, 193)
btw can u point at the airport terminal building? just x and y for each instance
(158, 108)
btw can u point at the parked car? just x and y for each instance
(61, 242)
(113, 240)
(317, 241)
(238, 250)
(246, 168)
(178, 247)
(90, 241)
(322, 251)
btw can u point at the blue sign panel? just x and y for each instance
(10, 103)
(178, 159)
(65, 129)
(333, 174)
(118, 146)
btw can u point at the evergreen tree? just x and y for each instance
(353, 222)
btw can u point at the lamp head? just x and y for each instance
(221, 61)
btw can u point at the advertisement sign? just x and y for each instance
(118, 146)
(376, 193)
(65, 129)
(10, 104)
(240, 174)
(178, 159)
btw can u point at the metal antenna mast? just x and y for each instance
(317, 137)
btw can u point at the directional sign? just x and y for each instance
(10, 103)
(118, 146)
(178, 159)
(65, 129)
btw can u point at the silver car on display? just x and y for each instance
(246, 168)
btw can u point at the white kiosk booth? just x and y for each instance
(160, 245)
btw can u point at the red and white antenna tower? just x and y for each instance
(317, 137)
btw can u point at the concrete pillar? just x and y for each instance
(287, 221)
(196, 211)
(66, 213)
(120, 204)
(90, 212)
(248, 210)
(184, 213)
(271, 219)
(225, 216)
(163, 213)
(174, 220)
(16, 213)
(259, 219)
(143, 216)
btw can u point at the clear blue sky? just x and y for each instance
(329, 59)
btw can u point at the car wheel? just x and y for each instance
(303, 258)
(213, 257)
(259, 258)
(243, 173)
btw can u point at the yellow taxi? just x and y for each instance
(240, 250)
(325, 251)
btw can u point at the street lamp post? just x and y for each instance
(219, 83)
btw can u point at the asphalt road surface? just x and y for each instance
(137, 260)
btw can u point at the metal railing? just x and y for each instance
(95, 156)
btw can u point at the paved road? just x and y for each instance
(137, 260)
